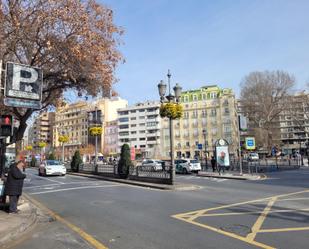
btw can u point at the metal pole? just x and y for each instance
(239, 146)
(62, 152)
(172, 151)
(205, 151)
(96, 141)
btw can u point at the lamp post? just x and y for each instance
(170, 99)
(96, 142)
(205, 140)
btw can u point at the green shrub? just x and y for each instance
(125, 162)
(76, 161)
(51, 156)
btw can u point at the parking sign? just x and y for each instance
(23, 86)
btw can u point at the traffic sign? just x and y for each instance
(23, 86)
(200, 146)
(250, 143)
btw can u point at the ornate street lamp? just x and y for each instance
(171, 114)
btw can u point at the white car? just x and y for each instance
(52, 167)
(253, 156)
(195, 166)
(152, 164)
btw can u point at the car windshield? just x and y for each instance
(52, 162)
(193, 161)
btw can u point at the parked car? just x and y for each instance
(182, 166)
(154, 165)
(195, 165)
(52, 167)
(253, 156)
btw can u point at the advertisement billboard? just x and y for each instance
(222, 153)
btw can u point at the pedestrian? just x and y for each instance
(14, 184)
(213, 163)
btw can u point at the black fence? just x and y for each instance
(266, 165)
(139, 173)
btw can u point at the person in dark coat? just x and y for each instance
(213, 163)
(14, 184)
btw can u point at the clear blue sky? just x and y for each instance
(208, 42)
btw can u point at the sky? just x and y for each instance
(206, 42)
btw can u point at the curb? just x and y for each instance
(140, 184)
(27, 224)
(261, 177)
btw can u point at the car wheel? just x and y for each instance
(45, 172)
(39, 173)
(185, 171)
(63, 175)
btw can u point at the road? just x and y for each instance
(233, 214)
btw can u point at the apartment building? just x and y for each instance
(71, 120)
(140, 127)
(42, 129)
(111, 138)
(293, 123)
(208, 108)
(74, 120)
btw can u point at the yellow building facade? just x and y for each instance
(209, 114)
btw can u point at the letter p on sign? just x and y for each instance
(23, 82)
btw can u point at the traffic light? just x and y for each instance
(6, 125)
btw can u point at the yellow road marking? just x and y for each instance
(277, 230)
(259, 222)
(91, 240)
(192, 215)
(232, 235)
(254, 212)
(294, 199)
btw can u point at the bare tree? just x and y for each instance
(262, 95)
(74, 42)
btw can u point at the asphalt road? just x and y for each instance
(233, 214)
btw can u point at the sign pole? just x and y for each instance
(239, 146)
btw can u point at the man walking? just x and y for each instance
(14, 184)
(213, 163)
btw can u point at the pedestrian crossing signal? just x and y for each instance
(6, 125)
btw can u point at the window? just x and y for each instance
(141, 117)
(133, 125)
(123, 126)
(133, 111)
(142, 124)
(186, 115)
(194, 97)
(204, 113)
(213, 95)
(124, 133)
(142, 139)
(126, 119)
(141, 132)
(142, 110)
(121, 113)
(134, 118)
(204, 96)
(133, 132)
(213, 112)
(186, 98)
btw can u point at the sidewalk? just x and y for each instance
(230, 175)
(177, 186)
(14, 225)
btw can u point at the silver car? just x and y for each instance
(152, 164)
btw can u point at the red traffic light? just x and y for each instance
(7, 121)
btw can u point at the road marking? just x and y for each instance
(276, 230)
(259, 222)
(233, 235)
(68, 189)
(255, 212)
(192, 215)
(294, 199)
(54, 184)
(90, 239)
